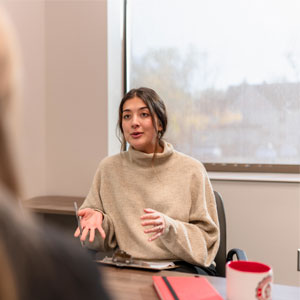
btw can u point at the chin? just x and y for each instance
(139, 147)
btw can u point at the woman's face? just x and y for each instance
(137, 126)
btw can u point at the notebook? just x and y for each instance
(185, 288)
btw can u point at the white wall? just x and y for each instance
(263, 219)
(65, 131)
(64, 126)
(29, 20)
(76, 89)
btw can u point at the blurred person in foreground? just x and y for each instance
(36, 262)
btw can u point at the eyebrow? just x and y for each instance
(141, 108)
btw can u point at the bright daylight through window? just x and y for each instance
(229, 72)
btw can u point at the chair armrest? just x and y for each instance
(98, 255)
(91, 253)
(240, 254)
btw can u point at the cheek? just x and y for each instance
(149, 124)
(151, 129)
(125, 128)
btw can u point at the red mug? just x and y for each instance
(248, 280)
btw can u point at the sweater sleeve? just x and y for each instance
(94, 201)
(196, 241)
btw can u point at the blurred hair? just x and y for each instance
(9, 71)
(8, 289)
(156, 107)
(37, 262)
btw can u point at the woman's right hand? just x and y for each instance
(90, 220)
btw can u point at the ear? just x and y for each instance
(159, 127)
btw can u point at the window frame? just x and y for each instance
(210, 166)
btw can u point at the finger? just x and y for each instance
(92, 235)
(84, 234)
(102, 232)
(149, 210)
(152, 222)
(77, 232)
(154, 237)
(82, 212)
(150, 216)
(154, 229)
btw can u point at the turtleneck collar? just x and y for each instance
(145, 159)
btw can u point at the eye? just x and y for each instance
(145, 115)
(126, 116)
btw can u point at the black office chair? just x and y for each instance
(222, 257)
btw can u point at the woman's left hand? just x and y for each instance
(155, 218)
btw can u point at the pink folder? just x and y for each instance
(185, 288)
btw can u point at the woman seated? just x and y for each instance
(151, 201)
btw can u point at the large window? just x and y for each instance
(229, 73)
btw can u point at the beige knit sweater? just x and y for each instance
(173, 184)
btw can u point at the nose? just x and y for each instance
(135, 121)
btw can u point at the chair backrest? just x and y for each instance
(222, 252)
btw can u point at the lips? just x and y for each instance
(136, 134)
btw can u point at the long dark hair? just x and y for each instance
(156, 107)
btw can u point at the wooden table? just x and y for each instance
(129, 284)
(55, 210)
